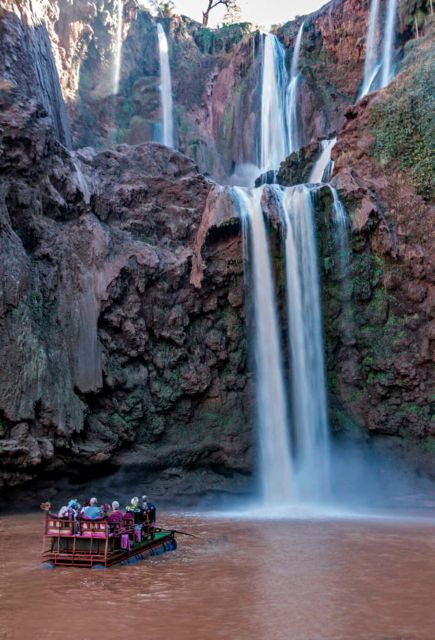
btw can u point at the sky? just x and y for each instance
(260, 12)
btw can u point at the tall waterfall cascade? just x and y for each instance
(380, 41)
(273, 105)
(118, 46)
(279, 94)
(291, 409)
(167, 133)
(276, 467)
(307, 379)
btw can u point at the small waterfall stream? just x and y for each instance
(371, 62)
(118, 46)
(389, 41)
(167, 135)
(276, 472)
(323, 167)
(293, 143)
(380, 41)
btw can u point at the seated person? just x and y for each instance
(93, 511)
(82, 510)
(116, 515)
(149, 509)
(69, 511)
(137, 512)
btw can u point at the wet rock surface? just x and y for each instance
(379, 311)
(111, 357)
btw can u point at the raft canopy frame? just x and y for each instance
(87, 543)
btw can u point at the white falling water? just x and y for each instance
(371, 62)
(279, 94)
(165, 89)
(276, 471)
(309, 406)
(378, 65)
(339, 212)
(81, 179)
(118, 46)
(273, 112)
(293, 141)
(389, 42)
(323, 167)
(341, 225)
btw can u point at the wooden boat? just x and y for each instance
(100, 543)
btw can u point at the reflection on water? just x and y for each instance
(283, 580)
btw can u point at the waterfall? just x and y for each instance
(279, 121)
(276, 471)
(118, 47)
(167, 137)
(273, 113)
(371, 63)
(309, 406)
(378, 67)
(80, 179)
(293, 141)
(389, 42)
(323, 167)
(341, 225)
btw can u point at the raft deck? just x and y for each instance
(89, 543)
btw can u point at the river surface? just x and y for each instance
(243, 580)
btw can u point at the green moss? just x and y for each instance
(429, 444)
(383, 377)
(221, 40)
(413, 409)
(403, 127)
(341, 421)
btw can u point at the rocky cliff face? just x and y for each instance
(378, 291)
(216, 77)
(111, 351)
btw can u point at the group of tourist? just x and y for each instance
(138, 511)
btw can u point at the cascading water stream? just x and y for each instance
(279, 118)
(378, 65)
(309, 406)
(323, 167)
(371, 62)
(118, 46)
(167, 137)
(276, 472)
(273, 112)
(389, 41)
(321, 174)
(293, 141)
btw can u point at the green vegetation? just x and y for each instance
(403, 127)
(221, 40)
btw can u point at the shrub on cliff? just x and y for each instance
(402, 122)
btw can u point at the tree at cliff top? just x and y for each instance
(231, 6)
(162, 8)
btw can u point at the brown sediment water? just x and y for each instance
(245, 580)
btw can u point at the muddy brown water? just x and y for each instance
(245, 580)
